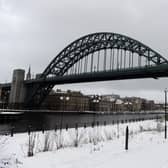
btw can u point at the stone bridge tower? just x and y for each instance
(17, 93)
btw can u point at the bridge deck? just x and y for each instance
(122, 74)
(134, 73)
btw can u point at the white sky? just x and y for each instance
(32, 32)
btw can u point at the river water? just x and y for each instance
(22, 122)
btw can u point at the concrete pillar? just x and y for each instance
(17, 94)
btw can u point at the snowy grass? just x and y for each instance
(20, 146)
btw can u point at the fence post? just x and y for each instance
(84, 125)
(12, 131)
(66, 127)
(55, 128)
(92, 124)
(118, 129)
(104, 123)
(76, 141)
(29, 127)
(43, 129)
(126, 138)
(76, 126)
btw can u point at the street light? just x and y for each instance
(165, 112)
(64, 99)
(96, 99)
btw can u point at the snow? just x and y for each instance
(100, 147)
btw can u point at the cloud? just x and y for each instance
(34, 32)
(10, 22)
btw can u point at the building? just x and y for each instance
(104, 103)
(148, 105)
(77, 102)
(66, 101)
(132, 103)
(119, 105)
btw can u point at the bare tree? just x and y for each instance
(48, 142)
(31, 143)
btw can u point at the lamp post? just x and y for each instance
(95, 100)
(165, 112)
(63, 99)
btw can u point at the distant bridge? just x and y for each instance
(95, 57)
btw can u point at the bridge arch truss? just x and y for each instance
(96, 53)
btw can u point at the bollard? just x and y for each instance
(29, 127)
(85, 126)
(12, 131)
(97, 123)
(76, 126)
(43, 129)
(66, 127)
(60, 127)
(165, 131)
(126, 138)
(118, 129)
(104, 123)
(55, 128)
(76, 135)
(92, 124)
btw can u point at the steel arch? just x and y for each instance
(84, 46)
(95, 42)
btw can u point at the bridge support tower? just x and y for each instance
(17, 93)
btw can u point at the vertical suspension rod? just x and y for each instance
(146, 62)
(113, 53)
(139, 60)
(129, 59)
(110, 58)
(117, 58)
(148, 58)
(79, 62)
(81, 65)
(132, 59)
(98, 60)
(91, 65)
(125, 58)
(76, 66)
(73, 67)
(71, 70)
(105, 57)
(139, 57)
(121, 59)
(86, 63)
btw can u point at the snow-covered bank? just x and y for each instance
(150, 151)
(101, 146)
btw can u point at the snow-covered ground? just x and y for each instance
(99, 147)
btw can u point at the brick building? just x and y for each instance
(104, 103)
(66, 101)
(77, 102)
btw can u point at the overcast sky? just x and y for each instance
(32, 32)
